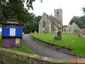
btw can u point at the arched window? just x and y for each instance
(43, 24)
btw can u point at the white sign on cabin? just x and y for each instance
(12, 31)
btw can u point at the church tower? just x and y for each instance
(58, 14)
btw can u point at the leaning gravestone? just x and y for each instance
(59, 34)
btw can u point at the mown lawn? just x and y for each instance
(23, 48)
(78, 45)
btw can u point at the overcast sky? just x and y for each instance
(70, 8)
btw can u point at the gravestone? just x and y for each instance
(59, 36)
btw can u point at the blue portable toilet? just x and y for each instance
(11, 33)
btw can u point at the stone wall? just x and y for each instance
(15, 57)
(82, 33)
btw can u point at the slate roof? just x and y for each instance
(11, 21)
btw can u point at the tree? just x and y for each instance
(80, 21)
(1, 16)
(77, 20)
(11, 9)
(36, 23)
(83, 9)
(29, 3)
(32, 24)
(14, 8)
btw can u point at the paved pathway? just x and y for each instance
(44, 51)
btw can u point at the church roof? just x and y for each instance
(74, 24)
(53, 19)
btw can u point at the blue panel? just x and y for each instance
(19, 31)
(5, 31)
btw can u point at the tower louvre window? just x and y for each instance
(57, 13)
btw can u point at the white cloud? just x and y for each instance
(70, 8)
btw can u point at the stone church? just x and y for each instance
(49, 24)
(72, 28)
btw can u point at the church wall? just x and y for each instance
(48, 25)
(75, 26)
(72, 28)
(54, 29)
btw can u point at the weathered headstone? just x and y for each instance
(59, 36)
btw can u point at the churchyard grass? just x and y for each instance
(23, 48)
(72, 41)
